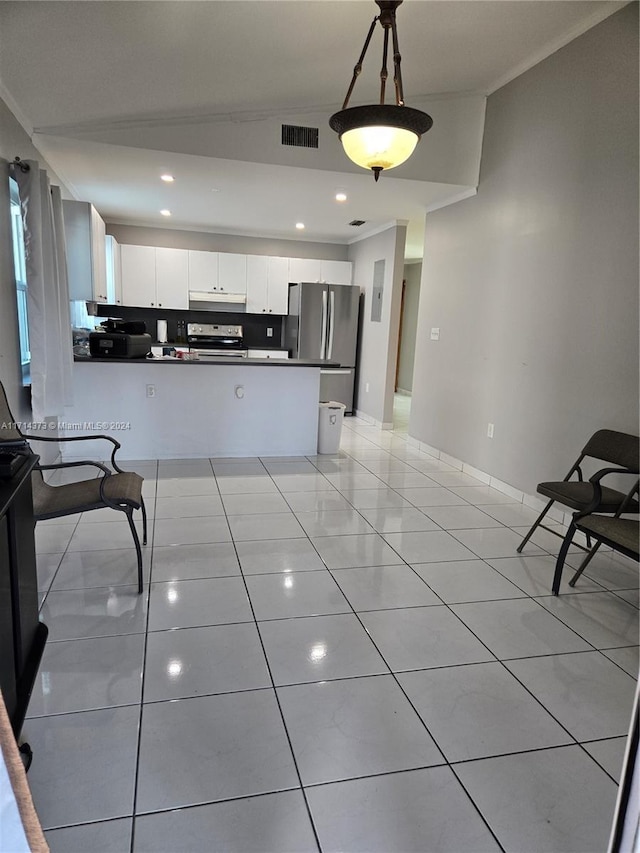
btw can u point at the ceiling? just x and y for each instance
(115, 93)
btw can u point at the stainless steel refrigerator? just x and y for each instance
(323, 324)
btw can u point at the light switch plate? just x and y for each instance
(435, 334)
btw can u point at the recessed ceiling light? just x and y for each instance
(340, 196)
(169, 179)
(300, 226)
(165, 212)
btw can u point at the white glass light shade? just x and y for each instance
(379, 147)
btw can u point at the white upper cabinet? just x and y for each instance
(203, 271)
(336, 272)
(309, 269)
(86, 256)
(114, 272)
(154, 278)
(172, 278)
(304, 269)
(164, 278)
(257, 284)
(278, 285)
(267, 284)
(232, 273)
(138, 267)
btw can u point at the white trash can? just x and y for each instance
(330, 417)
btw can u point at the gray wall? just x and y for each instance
(534, 282)
(412, 275)
(378, 343)
(137, 235)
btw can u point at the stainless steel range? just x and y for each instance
(208, 340)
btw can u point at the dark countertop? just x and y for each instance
(236, 362)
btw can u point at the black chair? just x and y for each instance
(605, 445)
(620, 534)
(114, 488)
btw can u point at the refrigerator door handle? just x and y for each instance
(323, 330)
(332, 325)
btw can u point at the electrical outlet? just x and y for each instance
(489, 430)
(366, 387)
(151, 390)
(269, 333)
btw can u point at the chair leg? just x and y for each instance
(134, 533)
(533, 527)
(584, 564)
(144, 521)
(561, 558)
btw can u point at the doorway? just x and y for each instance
(406, 344)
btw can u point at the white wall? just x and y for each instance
(534, 282)
(378, 341)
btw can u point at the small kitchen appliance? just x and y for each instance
(119, 345)
(209, 340)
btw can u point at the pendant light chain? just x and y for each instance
(358, 66)
(397, 74)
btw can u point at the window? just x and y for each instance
(20, 272)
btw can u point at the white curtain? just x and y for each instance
(47, 293)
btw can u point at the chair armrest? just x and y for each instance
(597, 491)
(116, 444)
(72, 438)
(103, 479)
(56, 466)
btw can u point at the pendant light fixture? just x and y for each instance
(380, 136)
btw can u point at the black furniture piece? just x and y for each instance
(621, 534)
(605, 445)
(22, 635)
(115, 488)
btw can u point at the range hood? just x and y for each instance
(217, 296)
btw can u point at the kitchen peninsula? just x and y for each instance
(174, 409)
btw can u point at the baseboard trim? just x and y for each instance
(368, 419)
(531, 501)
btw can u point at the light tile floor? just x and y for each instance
(335, 653)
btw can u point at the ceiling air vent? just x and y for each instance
(357, 222)
(301, 137)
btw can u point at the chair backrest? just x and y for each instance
(619, 448)
(8, 429)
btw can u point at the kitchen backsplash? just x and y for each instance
(255, 326)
